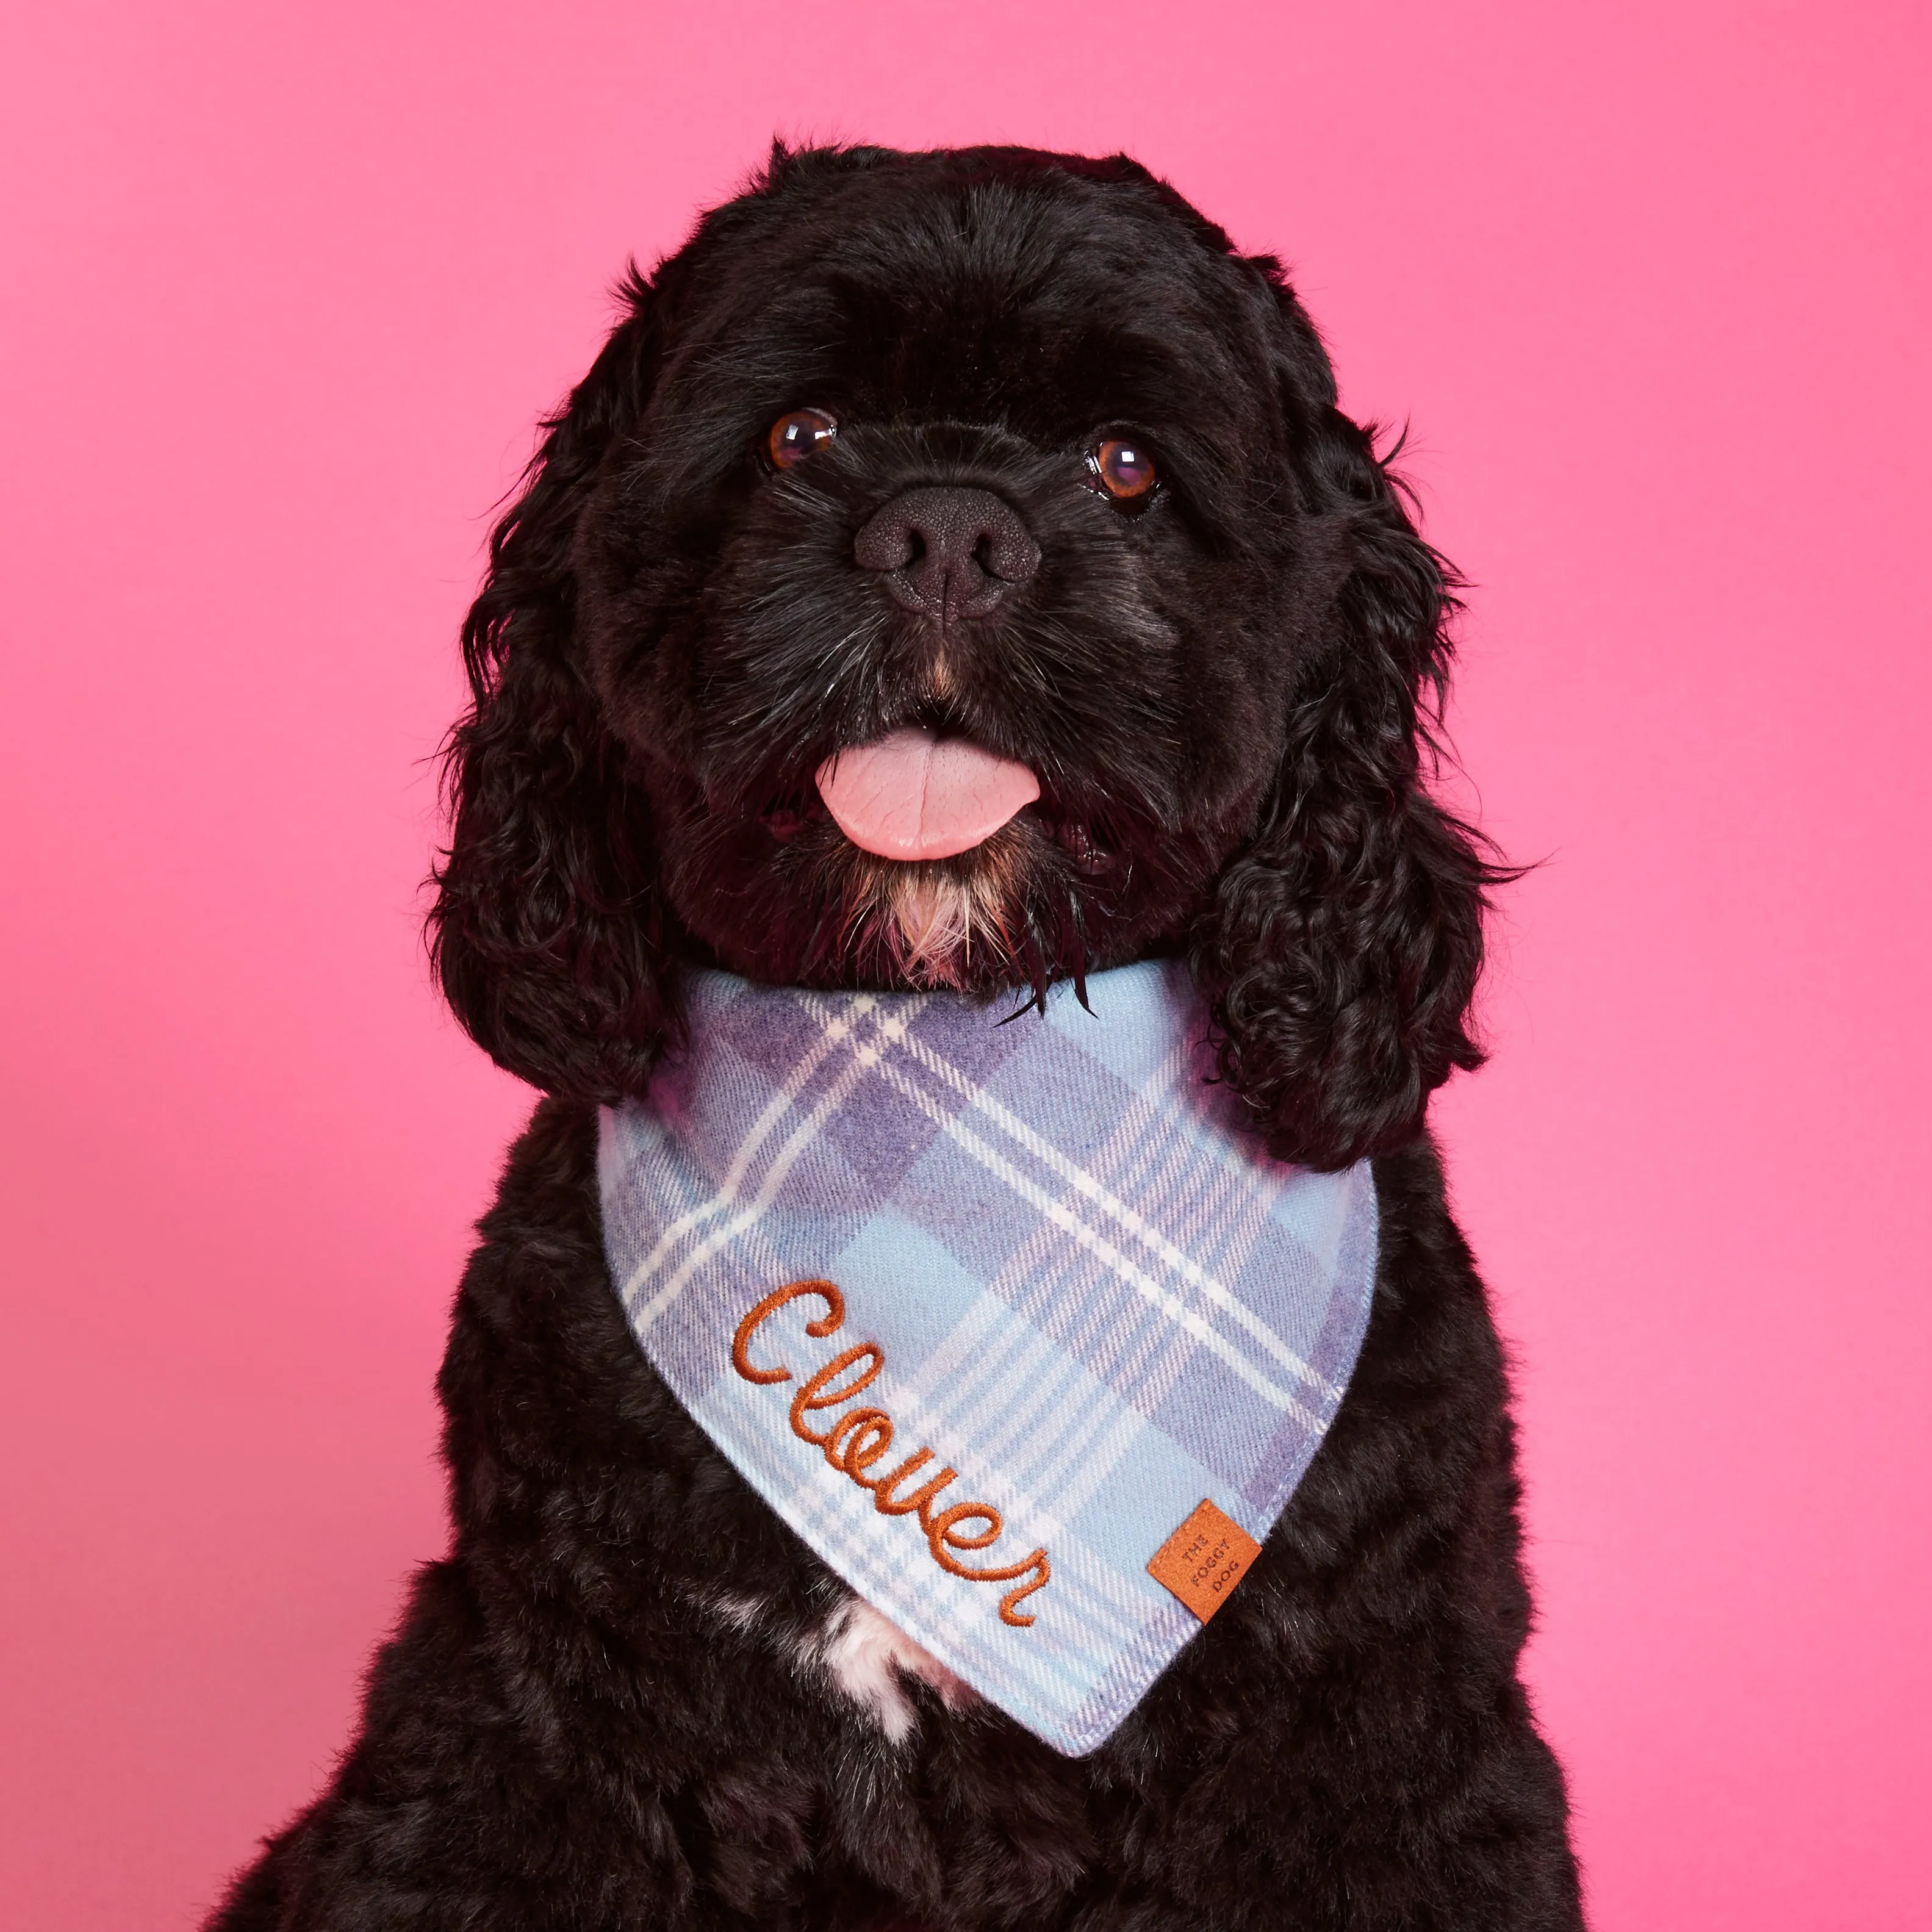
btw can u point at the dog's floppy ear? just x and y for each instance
(1343, 947)
(547, 928)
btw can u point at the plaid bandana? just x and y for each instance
(1007, 1322)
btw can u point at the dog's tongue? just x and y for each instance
(912, 795)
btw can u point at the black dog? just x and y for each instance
(1012, 448)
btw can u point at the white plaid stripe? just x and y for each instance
(1091, 1188)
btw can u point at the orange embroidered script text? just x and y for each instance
(856, 1442)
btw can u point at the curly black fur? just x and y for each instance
(1226, 696)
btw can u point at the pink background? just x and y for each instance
(284, 296)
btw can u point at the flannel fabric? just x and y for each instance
(1089, 1298)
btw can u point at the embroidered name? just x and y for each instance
(855, 1443)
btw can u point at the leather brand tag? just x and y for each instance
(1204, 1559)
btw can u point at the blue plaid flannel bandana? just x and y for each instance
(993, 1315)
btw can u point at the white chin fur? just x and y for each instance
(935, 919)
(864, 1653)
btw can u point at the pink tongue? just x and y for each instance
(913, 796)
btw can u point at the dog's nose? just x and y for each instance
(947, 553)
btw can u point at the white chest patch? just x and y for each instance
(864, 1653)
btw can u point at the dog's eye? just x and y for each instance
(1122, 468)
(795, 436)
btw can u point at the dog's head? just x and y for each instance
(955, 569)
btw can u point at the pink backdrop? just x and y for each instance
(284, 296)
